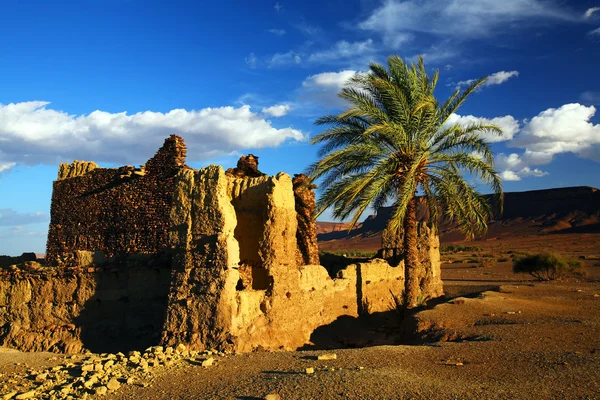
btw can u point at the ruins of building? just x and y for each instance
(168, 254)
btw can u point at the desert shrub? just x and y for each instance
(487, 263)
(547, 266)
(577, 268)
(503, 259)
(472, 261)
(352, 253)
(457, 248)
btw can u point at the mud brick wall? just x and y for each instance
(123, 210)
(70, 309)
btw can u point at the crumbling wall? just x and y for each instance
(208, 258)
(306, 205)
(205, 261)
(68, 310)
(123, 210)
(237, 283)
(428, 244)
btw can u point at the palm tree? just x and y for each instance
(394, 141)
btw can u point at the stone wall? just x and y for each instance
(123, 210)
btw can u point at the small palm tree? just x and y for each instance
(394, 141)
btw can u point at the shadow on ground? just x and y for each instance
(382, 328)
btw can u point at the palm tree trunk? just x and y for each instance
(412, 266)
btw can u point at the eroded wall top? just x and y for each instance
(121, 210)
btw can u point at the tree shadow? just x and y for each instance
(382, 328)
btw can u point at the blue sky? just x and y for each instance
(108, 80)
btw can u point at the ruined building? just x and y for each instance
(168, 254)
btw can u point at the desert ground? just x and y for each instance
(496, 335)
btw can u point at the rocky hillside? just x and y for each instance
(536, 212)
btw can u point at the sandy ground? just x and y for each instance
(513, 339)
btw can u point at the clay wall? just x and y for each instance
(116, 211)
(71, 309)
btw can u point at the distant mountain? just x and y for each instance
(536, 212)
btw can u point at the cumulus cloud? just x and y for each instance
(277, 110)
(590, 12)
(462, 18)
(508, 124)
(10, 217)
(496, 78)
(32, 133)
(567, 129)
(323, 88)
(513, 167)
(277, 32)
(335, 80)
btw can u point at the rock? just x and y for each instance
(9, 395)
(129, 380)
(181, 347)
(157, 349)
(87, 367)
(108, 364)
(272, 396)
(90, 382)
(41, 377)
(324, 357)
(27, 395)
(208, 362)
(113, 384)
(310, 370)
(101, 391)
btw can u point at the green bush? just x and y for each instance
(457, 248)
(547, 266)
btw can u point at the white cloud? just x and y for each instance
(323, 88)
(343, 50)
(335, 80)
(508, 124)
(513, 167)
(496, 78)
(595, 32)
(10, 217)
(277, 110)
(509, 176)
(277, 32)
(590, 97)
(5, 166)
(278, 6)
(281, 59)
(462, 18)
(31, 133)
(251, 60)
(567, 129)
(590, 12)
